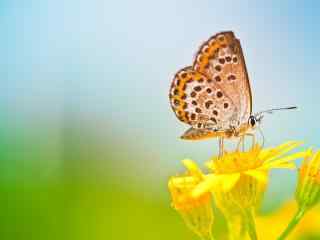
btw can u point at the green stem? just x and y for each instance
(293, 223)
(248, 213)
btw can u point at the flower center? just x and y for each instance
(237, 162)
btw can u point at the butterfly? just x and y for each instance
(213, 95)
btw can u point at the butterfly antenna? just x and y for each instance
(270, 111)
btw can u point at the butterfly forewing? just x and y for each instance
(221, 59)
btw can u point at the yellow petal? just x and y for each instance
(307, 159)
(285, 147)
(260, 175)
(210, 182)
(284, 160)
(316, 160)
(192, 168)
(224, 181)
(229, 181)
(287, 165)
(264, 152)
(282, 149)
(209, 164)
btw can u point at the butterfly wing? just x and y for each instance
(214, 94)
(221, 59)
(199, 102)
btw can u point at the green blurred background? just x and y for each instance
(88, 139)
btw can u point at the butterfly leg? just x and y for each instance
(243, 143)
(240, 143)
(221, 146)
(253, 138)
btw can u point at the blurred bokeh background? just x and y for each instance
(87, 136)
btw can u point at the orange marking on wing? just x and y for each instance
(179, 83)
(208, 50)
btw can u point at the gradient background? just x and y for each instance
(88, 139)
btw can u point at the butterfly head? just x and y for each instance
(255, 120)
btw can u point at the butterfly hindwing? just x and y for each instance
(198, 101)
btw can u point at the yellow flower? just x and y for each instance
(195, 211)
(308, 188)
(238, 182)
(237, 169)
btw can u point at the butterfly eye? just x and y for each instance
(252, 121)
